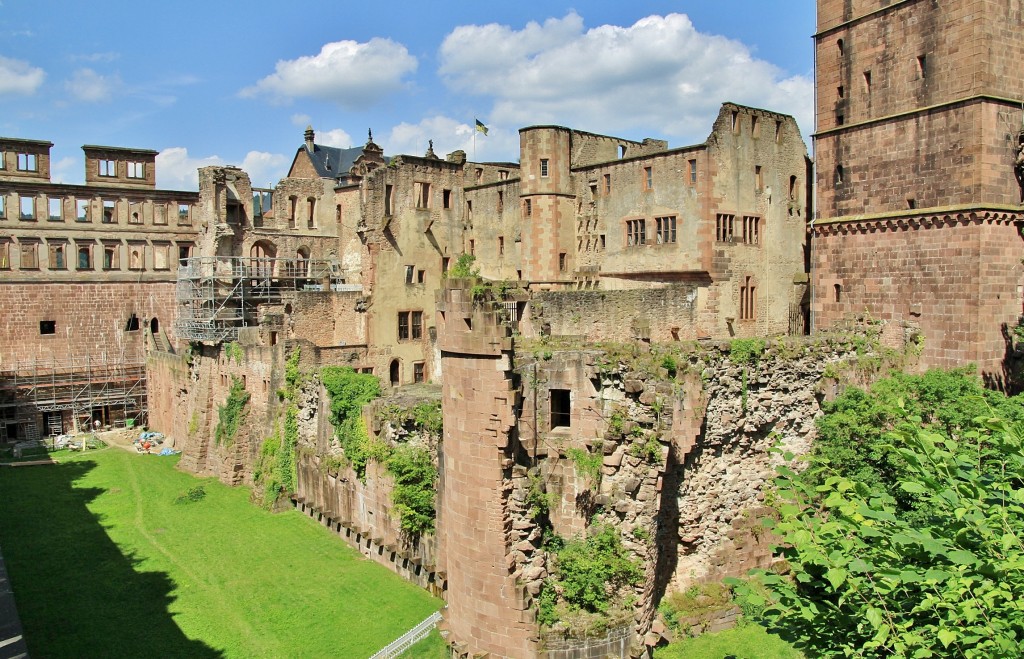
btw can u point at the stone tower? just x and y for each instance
(919, 119)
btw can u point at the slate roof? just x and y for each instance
(332, 161)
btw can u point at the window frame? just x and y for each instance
(636, 232)
(665, 229)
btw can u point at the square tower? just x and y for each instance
(918, 215)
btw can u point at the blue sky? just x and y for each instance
(236, 83)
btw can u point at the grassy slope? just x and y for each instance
(104, 563)
(744, 642)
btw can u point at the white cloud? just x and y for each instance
(336, 137)
(659, 75)
(90, 87)
(177, 170)
(449, 135)
(349, 73)
(301, 119)
(18, 77)
(63, 171)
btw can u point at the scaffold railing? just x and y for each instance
(218, 295)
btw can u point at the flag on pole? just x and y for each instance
(480, 127)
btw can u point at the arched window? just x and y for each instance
(396, 372)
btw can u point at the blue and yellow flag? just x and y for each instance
(480, 127)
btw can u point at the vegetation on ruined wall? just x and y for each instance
(231, 413)
(425, 416)
(233, 352)
(463, 267)
(588, 465)
(274, 473)
(415, 488)
(589, 574)
(867, 579)
(348, 392)
(746, 351)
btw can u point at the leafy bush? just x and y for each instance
(590, 570)
(292, 373)
(348, 392)
(415, 488)
(746, 351)
(649, 449)
(463, 267)
(231, 413)
(866, 580)
(587, 464)
(192, 495)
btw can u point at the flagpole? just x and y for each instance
(474, 143)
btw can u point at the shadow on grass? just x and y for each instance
(77, 594)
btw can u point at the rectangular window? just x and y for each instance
(778, 130)
(867, 82)
(160, 214)
(27, 207)
(421, 276)
(666, 228)
(528, 208)
(751, 230)
(479, 174)
(417, 324)
(5, 255)
(469, 210)
(389, 191)
(747, 298)
(409, 272)
(109, 208)
(501, 201)
(136, 169)
(58, 252)
(445, 261)
(922, 66)
(422, 191)
(3, 206)
(561, 261)
(601, 242)
(81, 210)
(136, 257)
(544, 167)
(501, 245)
(161, 256)
(27, 162)
(3, 159)
(561, 408)
(417, 372)
(30, 255)
(472, 247)
(648, 178)
(446, 198)
(723, 228)
(134, 213)
(107, 167)
(53, 210)
(607, 183)
(47, 326)
(184, 214)
(403, 325)
(693, 171)
(184, 252)
(636, 232)
(84, 257)
(758, 178)
(111, 254)
(502, 174)
(311, 213)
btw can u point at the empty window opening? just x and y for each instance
(273, 338)
(395, 372)
(108, 212)
(724, 228)
(561, 408)
(110, 260)
(911, 203)
(84, 257)
(751, 230)
(184, 252)
(472, 247)
(422, 190)
(841, 47)
(310, 213)
(53, 207)
(184, 214)
(792, 188)
(133, 324)
(5, 255)
(636, 232)
(136, 170)
(446, 198)
(648, 178)
(57, 261)
(758, 178)
(607, 183)
(28, 208)
(778, 130)
(293, 203)
(528, 208)
(840, 91)
(409, 270)
(445, 261)
(135, 219)
(501, 245)
(601, 241)
(421, 276)
(747, 296)
(3, 206)
(519, 275)
(502, 174)
(501, 201)
(867, 82)
(839, 174)
(735, 121)
(418, 373)
(81, 210)
(693, 171)
(469, 210)
(47, 326)
(561, 261)
(389, 190)
(922, 66)
(479, 174)
(666, 229)
(755, 126)
(840, 119)
(27, 162)
(837, 292)
(622, 151)
(30, 255)
(135, 258)
(107, 167)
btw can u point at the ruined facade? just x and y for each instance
(87, 275)
(918, 211)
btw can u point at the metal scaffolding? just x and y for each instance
(218, 295)
(90, 387)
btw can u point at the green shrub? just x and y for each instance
(587, 464)
(746, 351)
(192, 495)
(590, 570)
(463, 267)
(349, 392)
(231, 414)
(415, 488)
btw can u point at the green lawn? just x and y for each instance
(744, 642)
(104, 563)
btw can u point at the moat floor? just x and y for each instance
(105, 562)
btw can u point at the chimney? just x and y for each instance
(309, 138)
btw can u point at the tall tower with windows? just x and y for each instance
(919, 123)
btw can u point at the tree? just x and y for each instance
(866, 581)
